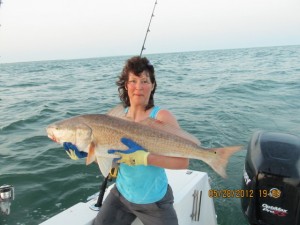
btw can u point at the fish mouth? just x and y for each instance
(50, 133)
(52, 138)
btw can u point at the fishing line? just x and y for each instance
(148, 30)
(0, 7)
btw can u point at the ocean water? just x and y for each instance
(222, 97)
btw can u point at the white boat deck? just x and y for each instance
(191, 202)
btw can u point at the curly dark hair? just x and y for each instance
(136, 65)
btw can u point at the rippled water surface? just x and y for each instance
(222, 97)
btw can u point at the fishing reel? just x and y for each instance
(7, 195)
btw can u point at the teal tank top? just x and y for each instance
(142, 184)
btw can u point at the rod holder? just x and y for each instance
(7, 195)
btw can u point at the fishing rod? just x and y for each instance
(148, 30)
(113, 172)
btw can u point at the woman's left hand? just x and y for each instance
(133, 156)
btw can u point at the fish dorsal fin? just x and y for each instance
(117, 111)
(157, 124)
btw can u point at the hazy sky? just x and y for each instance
(34, 30)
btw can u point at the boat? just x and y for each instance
(191, 202)
(270, 192)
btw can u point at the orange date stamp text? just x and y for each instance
(238, 193)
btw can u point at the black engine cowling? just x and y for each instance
(271, 183)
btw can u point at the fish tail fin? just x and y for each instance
(91, 157)
(219, 162)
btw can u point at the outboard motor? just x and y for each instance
(271, 185)
(6, 197)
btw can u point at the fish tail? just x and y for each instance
(219, 162)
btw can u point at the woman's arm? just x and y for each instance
(167, 161)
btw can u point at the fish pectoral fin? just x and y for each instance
(91, 157)
(105, 165)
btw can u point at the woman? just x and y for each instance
(141, 188)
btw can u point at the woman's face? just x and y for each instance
(139, 88)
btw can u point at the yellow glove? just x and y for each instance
(139, 157)
(72, 155)
(133, 156)
(73, 151)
